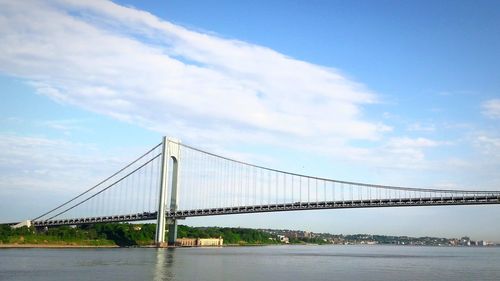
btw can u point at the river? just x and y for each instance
(253, 263)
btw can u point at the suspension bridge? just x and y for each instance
(174, 181)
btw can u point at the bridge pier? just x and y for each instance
(170, 150)
(172, 232)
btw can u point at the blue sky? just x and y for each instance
(389, 92)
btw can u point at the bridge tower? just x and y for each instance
(170, 150)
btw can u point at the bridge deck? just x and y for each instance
(482, 199)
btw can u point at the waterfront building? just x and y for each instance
(199, 242)
(283, 239)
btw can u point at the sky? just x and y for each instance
(400, 93)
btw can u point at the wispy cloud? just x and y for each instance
(40, 163)
(488, 145)
(419, 127)
(136, 67)
(491, 108)
(403, 153)
(36, 172)
(197, 86)
(66, 126)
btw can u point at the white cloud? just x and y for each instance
(406, 142)
(44, 164)
(418, 127)
(132, 66)
(65, 126)
(199, 87)
(37, 173)
(404, 153)
(488, 145)
(491, 108)
(490, 140)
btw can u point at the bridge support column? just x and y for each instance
(172, 231)
(170, 150)
(175, 152)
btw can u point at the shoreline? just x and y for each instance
(67, 246)
(31, 246)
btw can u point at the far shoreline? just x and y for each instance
(47, 246)
(67, 246)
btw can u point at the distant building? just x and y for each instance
(283, 239)
(186, 242)
(481, 243)
(199, 242)
(204, 242)
(465, 241)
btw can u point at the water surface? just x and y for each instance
(253, 263)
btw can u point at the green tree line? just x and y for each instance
(230, 235)
(125, 234)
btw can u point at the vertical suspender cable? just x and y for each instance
(317, 192)
(308, 200)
